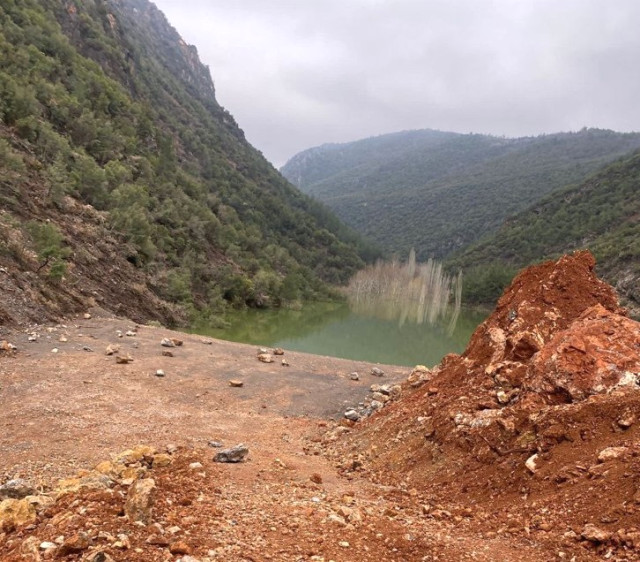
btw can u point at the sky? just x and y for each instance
(300, 73)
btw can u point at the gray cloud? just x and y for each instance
(298, 74)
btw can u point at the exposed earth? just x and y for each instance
(525, 448)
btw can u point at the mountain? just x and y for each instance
(601, 214)
(439, 192)
(123, 182)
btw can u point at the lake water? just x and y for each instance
(336, 330)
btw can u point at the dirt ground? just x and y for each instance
(64, 411)
(524, 448)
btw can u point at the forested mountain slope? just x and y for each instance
(440, 192)
(124, 183)
(601, 214)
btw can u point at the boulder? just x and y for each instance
(140, 501)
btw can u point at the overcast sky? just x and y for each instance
(299, 73)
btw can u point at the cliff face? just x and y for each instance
(105, 108)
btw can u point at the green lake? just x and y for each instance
(336, 330)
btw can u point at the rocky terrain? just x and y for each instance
(525, 447)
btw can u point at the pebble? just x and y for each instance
(352, 415)
(530, 463)
(354, 376)
(344, 544)
(130, 334)
(377, 372)
(236, 383)
(159, 373)
(166, 342)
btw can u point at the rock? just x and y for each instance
(377, 372)
(232, 455)
(380, 397)
(6, 347)
(395, 392)
(167, 353)
(502, 396)
(612, 453)
(166, 342)
(177, 342)
(75, 544)
(112, 349)
(418, 376)
(195, 465)
(140, 500)
(159, 373)
(376, 405)
(14, 513)
(343, 544)
(161, 459)
(531, 463)
(46, 545)
(316, 478)
(63, 339)
(627, 420)
(87, 348)
(352, 415)
(86, 316)
(55, 350)
(130, 334)
(593, 534)
(236, 383)
(215, 444)
(157, 540)
(285, 363)
(354, 376)
(179, 547)
(16, 489)
(265, 357)
(124, 359)
(278, 351)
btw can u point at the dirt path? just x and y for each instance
(68, 410)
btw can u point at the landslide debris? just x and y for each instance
(532, 429)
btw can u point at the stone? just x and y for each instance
(140, 500)
(376, 405)
(593, 534)
(87, 316)
(112, 349)
(627, 420)
(124, 359)
(159, 373)
(530, 463)
(278, 351)
(195, 465)
(395, 392)
(157, 540)
(265, 358)
(215, 444)
(354, 376)
(161, 459)
(46, 545)
(316, 478)
(232, 455)
(63, 339)
(377, 372)
(167, 353)
(16, 489)
(177, 342)
(75, 544)
(236, 383)
(166, 342)
(285, 363)
(352, 415)
(179, 547)
(502, 396)
(14, 513)
(612, 453)
(130, 334)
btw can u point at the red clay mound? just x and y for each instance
(534, 426)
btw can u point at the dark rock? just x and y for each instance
(235, 454)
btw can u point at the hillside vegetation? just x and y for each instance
(440, 192)
(124, 183)
(601, 214)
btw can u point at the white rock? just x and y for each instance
(531, 463)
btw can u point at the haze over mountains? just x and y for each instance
(440, 192)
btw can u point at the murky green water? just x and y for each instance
(335, 330)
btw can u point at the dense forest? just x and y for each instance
(601, 214)
(440, 192)
(116, 161)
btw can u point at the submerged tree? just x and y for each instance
(408, 291)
